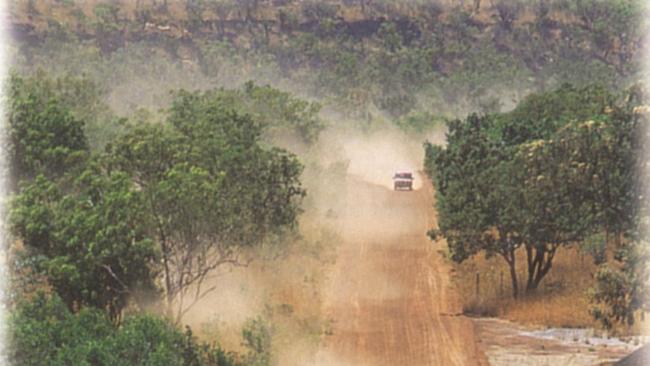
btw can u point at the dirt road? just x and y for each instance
(389, 297)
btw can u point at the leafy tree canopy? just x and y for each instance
(559, 168)
(211, 189)
(538, 116)
(90, 241)
(44, 330)
(275, 112)
(44, 135)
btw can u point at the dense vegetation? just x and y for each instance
(152, 215)
(45, 329)
(563, 168)
(143, 159)
(367, 58)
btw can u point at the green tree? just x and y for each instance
(44, 331)
(619, 294)
(211, 191)
(89, 242)
(540, 115)
(44, 135)
(539, 178)
(620, 291)
(81, 96)
(477, 198)
(555, 209)
(280, 112)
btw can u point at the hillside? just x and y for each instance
(367, 58)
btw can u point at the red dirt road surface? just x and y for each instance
(389, 297)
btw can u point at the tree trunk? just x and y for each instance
(510, 259)
(530, 261)
(169, 296)
(539, 265)
(513, 279)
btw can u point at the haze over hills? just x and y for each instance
(363, 57)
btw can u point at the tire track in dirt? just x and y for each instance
(389, 297)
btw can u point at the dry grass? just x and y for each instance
(560, 301)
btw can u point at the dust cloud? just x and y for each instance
(374, 156)
(385, 294)
(294, 291)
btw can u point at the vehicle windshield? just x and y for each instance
(403, 176)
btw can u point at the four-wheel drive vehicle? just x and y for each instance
(403, 180)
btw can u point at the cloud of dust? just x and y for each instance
(344, 167)
(344, 156)
(374, 156)
(151, 85)
(369, 214)
(239, 296)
